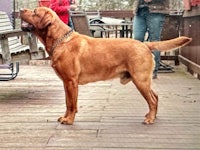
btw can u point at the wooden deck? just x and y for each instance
(110, 115)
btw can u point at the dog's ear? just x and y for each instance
(45, 21)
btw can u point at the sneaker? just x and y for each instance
(155, 76)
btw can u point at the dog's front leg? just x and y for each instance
(71, 94)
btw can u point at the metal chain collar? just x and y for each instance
(60, 40)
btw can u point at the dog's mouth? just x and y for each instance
(27, 27)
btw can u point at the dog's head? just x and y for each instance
(39, 18)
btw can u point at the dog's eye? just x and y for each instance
(34, 11)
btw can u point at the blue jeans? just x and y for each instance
(151, 23)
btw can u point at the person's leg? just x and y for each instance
(139, 26)
(70, 23)
(155, 23)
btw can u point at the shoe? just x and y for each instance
(155, 76)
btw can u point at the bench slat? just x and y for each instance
(5, 28)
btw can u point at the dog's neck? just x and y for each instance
(49, 35)
(59, 40)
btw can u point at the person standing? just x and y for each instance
(73, 7)
(62, 9)
(149, 16)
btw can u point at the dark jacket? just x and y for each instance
(155, 6)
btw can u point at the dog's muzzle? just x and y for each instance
(27, 27)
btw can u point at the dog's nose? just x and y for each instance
(21, 10)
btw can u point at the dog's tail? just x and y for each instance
(169, 44)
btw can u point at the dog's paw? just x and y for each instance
(148, 121)
(67, 120)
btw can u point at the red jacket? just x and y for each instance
(189, 3)
(61, 7)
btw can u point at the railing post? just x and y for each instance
(32, 41)
(6, 56)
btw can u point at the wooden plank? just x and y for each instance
(109, 117)
(11, 33)
(190, 65)
(191, 26)
(80, 22)
(117, 13)
(170, 57)
(195, 11)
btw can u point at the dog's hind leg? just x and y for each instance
(154, 97)
(152, 100)
(143, 84)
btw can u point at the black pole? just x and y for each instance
(13, 14)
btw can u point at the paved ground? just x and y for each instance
(110, 115)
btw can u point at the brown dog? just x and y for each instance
(78, 59)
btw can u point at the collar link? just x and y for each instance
(59, 40)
